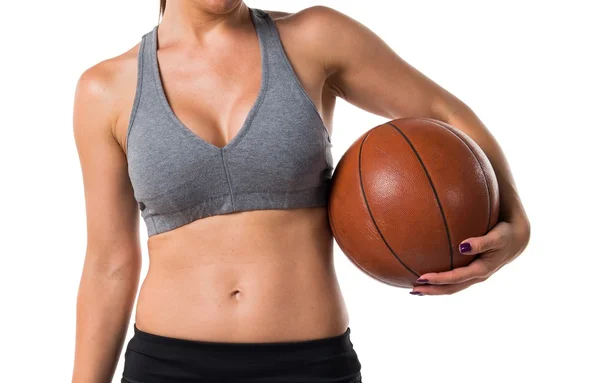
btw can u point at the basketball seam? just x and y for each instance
(482, 170)
(369, 208)
(332, 225)
(437, 198)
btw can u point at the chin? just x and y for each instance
(219, 6)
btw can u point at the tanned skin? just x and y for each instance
(256, 276)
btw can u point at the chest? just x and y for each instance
(212, 90)
(224, 133)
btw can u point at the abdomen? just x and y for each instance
(254, 276)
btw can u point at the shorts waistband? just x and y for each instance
(311, 344)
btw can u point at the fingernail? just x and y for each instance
(422, 280)
(464, 247)
(416, 293)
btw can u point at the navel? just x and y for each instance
(236, 294)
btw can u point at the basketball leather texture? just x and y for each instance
(406, 193)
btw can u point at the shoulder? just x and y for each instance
(313, 14)
(100, 80)
(323, 33)
(318, 18)
(105, 87)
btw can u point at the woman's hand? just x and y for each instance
(503, 243)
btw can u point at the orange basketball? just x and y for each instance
(406, 193)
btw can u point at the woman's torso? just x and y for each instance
(260, 275)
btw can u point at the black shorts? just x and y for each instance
(151, 358)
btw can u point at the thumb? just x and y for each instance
(473, 245)
(492, 240)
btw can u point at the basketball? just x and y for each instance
(406, 193)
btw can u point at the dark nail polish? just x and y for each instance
(422, 280)
(416, 293)
(464, 247)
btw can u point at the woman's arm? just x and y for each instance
(111, 268)
(363, 70)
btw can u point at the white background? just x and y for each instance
(529, 69)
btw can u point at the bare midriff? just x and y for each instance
(255, 276)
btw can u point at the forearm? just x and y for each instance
(104, 304)
(511, 208)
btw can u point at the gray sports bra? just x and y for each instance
(280, 159)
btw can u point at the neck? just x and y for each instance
(191, 21)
